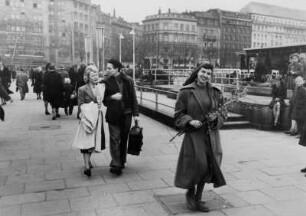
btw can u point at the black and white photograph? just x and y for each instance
(152, 108)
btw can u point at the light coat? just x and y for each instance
(90, 133)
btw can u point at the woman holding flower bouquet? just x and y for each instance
(199, 112)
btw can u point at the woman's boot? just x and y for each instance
(200, 206)
(190, 199)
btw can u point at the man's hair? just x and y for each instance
(116, 64)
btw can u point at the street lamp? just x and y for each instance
(120, 38)
(133, 33)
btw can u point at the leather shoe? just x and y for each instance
(303, 170)
(201, 206)
(288, 132)
(87, 172)
(47, 113)
(58, 115)
(294, 133)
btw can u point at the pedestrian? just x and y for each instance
(279, 93)
(22, 83)
(297, 107)
(67, 88)
(5, 77)
(121, 102)
(37, 82)
(53, 88)
(45, 95)
(199, 111)
(303, 63)
(295, 69)
(90, 134)
(80, 82)
(73, 78)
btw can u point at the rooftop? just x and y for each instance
(274, 10)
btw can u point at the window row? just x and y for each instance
(170, 26)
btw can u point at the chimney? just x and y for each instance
(159, 11)
(114, 12)
(169, 11)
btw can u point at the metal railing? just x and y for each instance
(154, 95)
(222, 77)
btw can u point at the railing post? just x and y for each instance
(141, 89)
(156, 100)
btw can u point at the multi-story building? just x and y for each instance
(236, 29)
(22, 35)
(171, 40)
(275, 26)
(209, 35)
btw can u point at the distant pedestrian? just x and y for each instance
(45, 95)
(53, 90)
(121, 102)
(22, 83)
(199, 111)
(90, 134)
(37, 82)
(298, 107)
(295, 69)
(279, 93)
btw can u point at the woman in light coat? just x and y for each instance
(90, 134)
(199, 112)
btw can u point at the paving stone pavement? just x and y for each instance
(41, 174)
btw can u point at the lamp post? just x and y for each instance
(133, 33)
(87, 48)
(120, 38)
(100, 44)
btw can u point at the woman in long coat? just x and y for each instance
(53, 90)
(90, 135)
(198, 105)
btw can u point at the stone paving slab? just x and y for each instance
(45, 208)
(21, 199)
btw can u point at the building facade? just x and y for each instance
(22, 33)
(275, 26)
(209, 35)
(236, 30)
(170, 41)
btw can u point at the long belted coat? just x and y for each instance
(199, 148)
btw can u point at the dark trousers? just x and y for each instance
(118, 140)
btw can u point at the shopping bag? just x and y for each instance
(135, 139)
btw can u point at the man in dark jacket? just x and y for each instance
(5, 79)
(121, 102)
(53, 89)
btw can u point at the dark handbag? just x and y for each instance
(135, 140)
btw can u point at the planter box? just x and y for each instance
(260, 116)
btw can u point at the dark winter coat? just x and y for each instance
(53, 88)
(114, 108)
(37, 81)
(199, 149)
(298, 104)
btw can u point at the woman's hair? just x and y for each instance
(90, 68)
(116, 64)
(193, 76)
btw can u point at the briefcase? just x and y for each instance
(135, 140)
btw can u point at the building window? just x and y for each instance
(34, 5)
(7, 2)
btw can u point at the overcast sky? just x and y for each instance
(136, 10)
